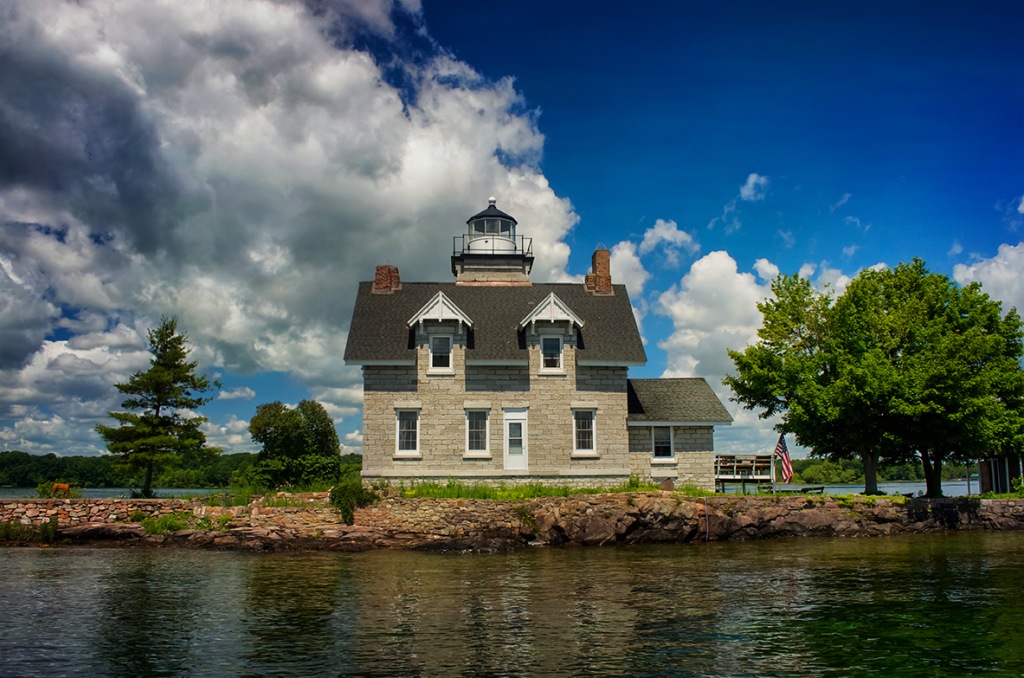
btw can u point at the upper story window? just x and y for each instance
(662, 442)
(551, 354)
(441, 354)
(583, 431)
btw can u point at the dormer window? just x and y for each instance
(551, 354)
(441, 353)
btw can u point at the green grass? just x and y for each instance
(692, 491)
(167, 523)
(456, 489)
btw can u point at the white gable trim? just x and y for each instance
(440, 308)
(552, 309)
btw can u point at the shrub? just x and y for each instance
(164, 524)
(48, 530)
(44, 532)
(15, 531)
(137, 516)
(526, 516)
(347, 497)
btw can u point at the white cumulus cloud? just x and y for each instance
(667, 236)
(1001, 276)
(627, 269)
(240, 165)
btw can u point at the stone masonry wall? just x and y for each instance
(694, 456)
(443, 398)
(83, 511)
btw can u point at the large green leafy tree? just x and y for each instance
(805, 368)
(961, 387)
(159, 426)
(299, 445)
(905, 362)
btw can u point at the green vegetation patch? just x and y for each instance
(45, 532)
(167, 523)
(347, 497)
(456, 489)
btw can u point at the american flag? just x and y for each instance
(783, 452)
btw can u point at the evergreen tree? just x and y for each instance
(159, 427)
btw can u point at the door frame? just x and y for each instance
(512, 415)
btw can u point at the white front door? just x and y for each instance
(516, 448)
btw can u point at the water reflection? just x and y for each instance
(925, 605)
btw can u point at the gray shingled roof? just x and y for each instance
(379, 331)
(674, 400)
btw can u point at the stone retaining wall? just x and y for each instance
(79, 511)
(589, 520)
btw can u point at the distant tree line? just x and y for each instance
(851, 471)
(21, 469)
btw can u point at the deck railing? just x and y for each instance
(743, 467)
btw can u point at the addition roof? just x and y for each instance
(379, 332)
(674, 401)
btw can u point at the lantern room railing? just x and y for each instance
(492, 243)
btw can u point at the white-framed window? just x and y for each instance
(583, 432)
(407, 423)
(441, 354)
(550, 354)
(477, 438)
(661, 437)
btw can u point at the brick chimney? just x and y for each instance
(599, 280)
(387, 280)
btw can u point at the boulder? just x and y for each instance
(102, 531)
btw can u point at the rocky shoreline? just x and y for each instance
(491, 526)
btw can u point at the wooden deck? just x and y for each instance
(742, 468)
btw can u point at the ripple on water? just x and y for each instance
(932, 605)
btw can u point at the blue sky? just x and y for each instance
(244, 165)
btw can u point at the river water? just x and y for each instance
(923, 605)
